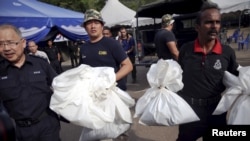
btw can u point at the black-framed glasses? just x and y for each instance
(9, 43)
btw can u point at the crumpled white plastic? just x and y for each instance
(109, 131)
(160, 105)
(236, 97)
(88, 96)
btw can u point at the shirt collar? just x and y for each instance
(216, 49)
(27, 60)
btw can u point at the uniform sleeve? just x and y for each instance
(57, 50)
(51, 73)
(169, 37)
(118, 53)
(80, 55)
(233, 67)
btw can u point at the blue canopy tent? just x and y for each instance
(39, 21)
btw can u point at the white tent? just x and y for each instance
(232, 5)
(159, 8)
(115, 13)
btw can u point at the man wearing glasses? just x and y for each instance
(25, 89)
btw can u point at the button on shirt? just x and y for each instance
(26, 91)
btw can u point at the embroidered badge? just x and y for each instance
(4, 77)
(83, 56)
(36, 72)
(102, 52)
(217, 65)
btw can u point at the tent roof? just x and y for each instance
(185, 7)
(161, 7)
(36, 19)
(232, 5)
(115, 12)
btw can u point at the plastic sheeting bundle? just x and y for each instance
(88, 96)
(236, 97)
(160, 105)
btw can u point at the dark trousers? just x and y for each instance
(133, 73)
(73, 59)
(47, 129)
(56, 65)
(194, 130)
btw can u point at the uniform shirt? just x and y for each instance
(26, 91)
(127, 44)
(161, 39)
(52, 52)
(203, 73)
(106, 52)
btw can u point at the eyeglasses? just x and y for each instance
(9, 43)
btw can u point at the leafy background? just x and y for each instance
(82, 5)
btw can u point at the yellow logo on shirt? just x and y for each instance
(102, 53)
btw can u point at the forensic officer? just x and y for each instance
(103, 51)
(25, 89)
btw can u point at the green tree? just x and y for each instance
(77, 5)
(82, 5)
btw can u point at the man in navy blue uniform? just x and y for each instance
(204, 62)
(54, 56)
(25, 89)
(103, 51)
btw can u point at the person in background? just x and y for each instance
(106, 32)
(165, 41)
(25, 89)
(204, 62)
(33, 50)
(103, 51)
(73, 49)
(128, 44)
(118, 36)
(54, 56)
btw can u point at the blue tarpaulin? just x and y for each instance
(39, 21)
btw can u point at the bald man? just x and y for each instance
(33, 48)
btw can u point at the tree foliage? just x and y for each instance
(83, 5)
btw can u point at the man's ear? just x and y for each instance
(24, 43)
(197, 27)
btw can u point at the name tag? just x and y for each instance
(4, 77)
(36, 72)
(102, 52)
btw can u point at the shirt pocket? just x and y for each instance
(39, 83)
(9, 89)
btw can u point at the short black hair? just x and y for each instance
(106, 28)
(206, 5)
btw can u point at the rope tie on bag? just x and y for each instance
(102, 94)
(162, 87)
